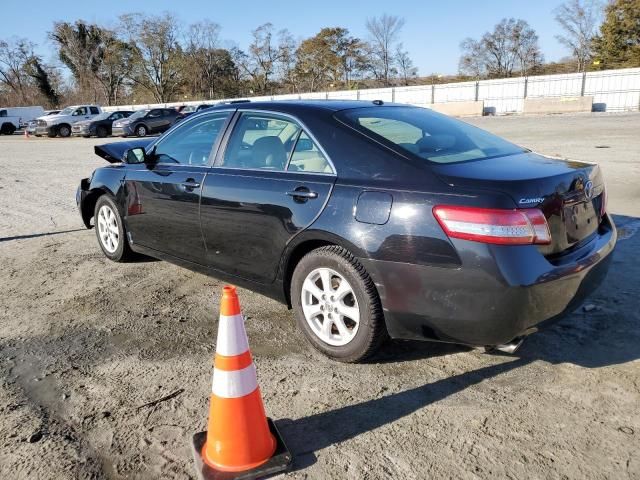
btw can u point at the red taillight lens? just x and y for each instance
(488, 225)
(603, 203)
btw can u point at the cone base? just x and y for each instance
(280, 461)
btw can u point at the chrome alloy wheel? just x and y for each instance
(108, 229)
(330, 307)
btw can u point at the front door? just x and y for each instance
(163, 195)
(271, 182)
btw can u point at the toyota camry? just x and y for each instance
(370, 220)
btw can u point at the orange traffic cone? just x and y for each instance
(241, 442)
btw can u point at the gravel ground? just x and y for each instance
(86, 343)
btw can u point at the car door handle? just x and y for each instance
(302, 194)
(190, 184)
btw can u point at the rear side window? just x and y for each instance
(307, 157)
(3, 113)
(261, 141)
(94, 110)
(427, 135)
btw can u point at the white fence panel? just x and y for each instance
(413, 95)
(502, 96)
(455, 92)
(569, 85)
(343, 95)
(614, 90)
(313, 95)
(384, 94)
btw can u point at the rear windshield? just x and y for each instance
(426, 134)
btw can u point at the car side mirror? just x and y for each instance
(135, 156)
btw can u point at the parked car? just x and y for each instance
(188, 110)
(14, 118)
(99, 126)
(33, 124)
(60, 123)
(145, 122)
(368, 219)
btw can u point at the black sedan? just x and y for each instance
(368, 219)
(99, 126)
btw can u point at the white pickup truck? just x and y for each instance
(14, 118)
(60, 124)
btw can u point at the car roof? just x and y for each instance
(293, 105)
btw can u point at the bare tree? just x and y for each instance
(269, 53)
(384, 32)
(14, 57)
(405, 64)
(158, 56)
(511, 46)
(579, 19)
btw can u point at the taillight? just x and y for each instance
(526, 226)
(603, 202)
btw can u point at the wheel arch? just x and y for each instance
(302, 245)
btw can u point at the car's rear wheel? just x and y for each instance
(110, 230)
(141, 131)
(64, 131)
(337, 305)
(101, 132)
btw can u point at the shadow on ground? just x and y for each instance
(607, 335)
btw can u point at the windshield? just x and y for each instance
(426, 134)
(68, 111)
(138, 114)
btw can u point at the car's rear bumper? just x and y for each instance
(499, 293)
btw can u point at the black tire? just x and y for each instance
(52, 132)
(101, 132)
(371, 333)
(64, 130)
(8, 129)
(123, 252)
(86, 136)
(141, 130)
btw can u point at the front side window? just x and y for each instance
(154, 113)
(80, 111)
(426, 134)
(191, 143)
(261, 141)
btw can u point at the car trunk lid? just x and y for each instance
(113, 152)
(569, 193)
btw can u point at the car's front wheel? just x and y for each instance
(64, 130)
(110, 230)
(337, 305)
(101, 132)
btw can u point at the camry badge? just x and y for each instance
(531, 200)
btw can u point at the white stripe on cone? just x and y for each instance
(234, 383)
(232, 337)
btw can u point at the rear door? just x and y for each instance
(163, 195)
(270, 181)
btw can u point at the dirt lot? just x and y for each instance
(85, 343)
